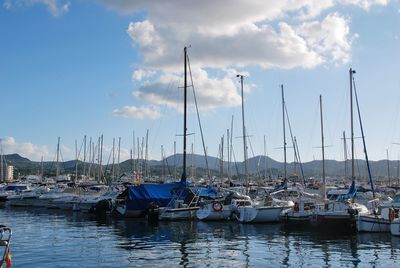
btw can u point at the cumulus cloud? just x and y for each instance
(211, 93)
(365, 4)
(329, 36)
(55, 7)
(140, 74)
(137, 112)
(25, 149)
(270, 34)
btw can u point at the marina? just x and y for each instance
(224, 133)
(74, 239)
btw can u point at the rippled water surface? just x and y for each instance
(54, 238)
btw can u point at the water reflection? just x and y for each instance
(102, 241)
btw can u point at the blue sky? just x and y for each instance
(79, 68)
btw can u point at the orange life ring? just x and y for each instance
(296, 207)
(217, 206)
(392, 214)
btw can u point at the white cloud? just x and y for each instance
(365, 4)
(137, 112)
(245, 34)
(25, 149)
(140, 74)
(329, 36)
(228, 34)
(55, 7)
(211, 93)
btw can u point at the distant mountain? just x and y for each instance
(258, 164)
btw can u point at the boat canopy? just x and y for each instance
(139, 197)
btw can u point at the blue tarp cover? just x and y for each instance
(141, 196)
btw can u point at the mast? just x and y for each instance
(146, 156)
(84, 156)
(351, 72)
(119, 155)
(222, 156)
(345, 154)
(76, 161)
(101, 158)
(192, 168)
(58, 155)
(41, 167)
(1, 162)
(244, 131)
(364, 144)
(228, 152)
(183, 178)
(174, 160)
(323, 148)
(265, 158)
(231, 149)
(388, 165)
(284, 134)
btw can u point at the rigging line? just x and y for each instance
(291, 136)
(234, 159)
(364, 145)
(198, 117)
(158, 126)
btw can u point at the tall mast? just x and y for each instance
(244, 131)
(58, 155)
(284, 134)
(101, 157)
(192, 168)
(231, 149)
(133, 155)
(41, 167)
(174, 160)
(265, 158)
(345, 153)
(1, 162)
(119, 155)
(351, 72)
(113, 160)
(183, 178)
(146, 156)
(222, 155)
(84, 156)
(76, 161)
(323, 148)
(388, 165)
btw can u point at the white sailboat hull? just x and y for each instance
(207, 213)
(371, 223)
(395, 227)
(260, 214)
(177, 213)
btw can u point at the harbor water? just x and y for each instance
(55, 238)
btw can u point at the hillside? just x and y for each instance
(24, 166)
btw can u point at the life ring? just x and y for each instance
(217, 206)
(296, 207)
(392, 214)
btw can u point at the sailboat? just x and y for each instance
(183, 204)
(339, 215)
(168, 201)
(305, 205)
(267, 209)
(382, 216)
